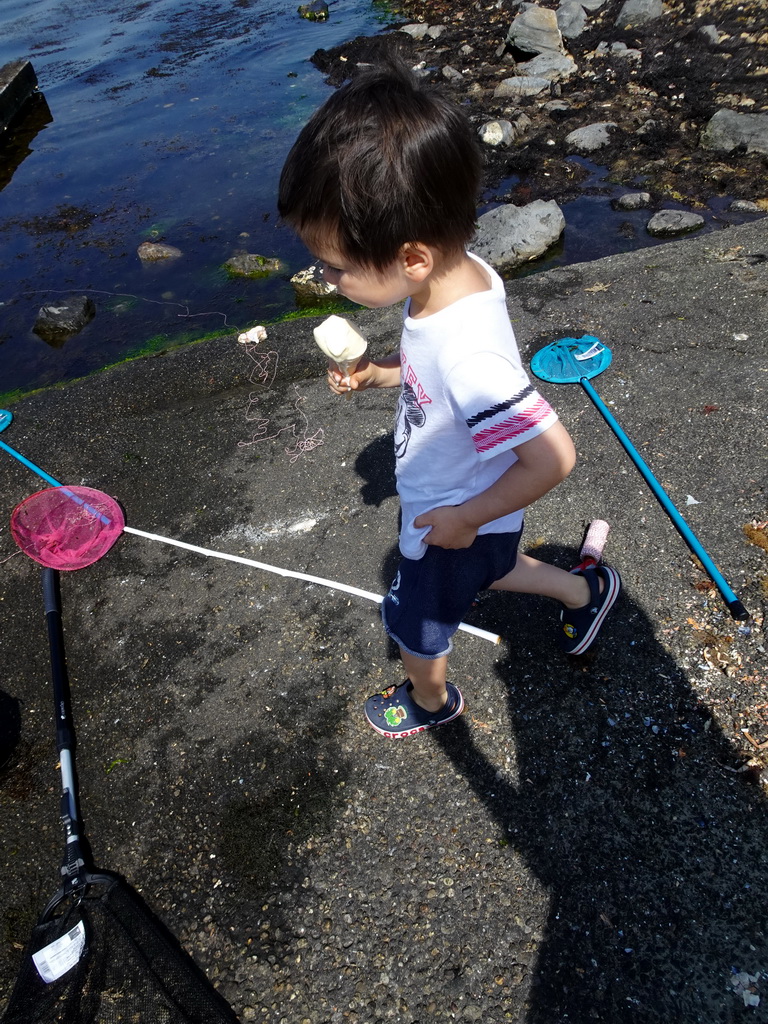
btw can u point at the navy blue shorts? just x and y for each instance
(431, 595)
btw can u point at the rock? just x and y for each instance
(728, 130)
(249, 264)
(535, 30)
(253, 336)
(317, 10)
(415, 31)
(310, 287)
(633, 201)
(710, 33)
(639, 12)
(497, 133)
(557, 67)
(648, 127)
(59, 320)
(18, 84)
(556, 108)
(153, 251)
(571, 19)
(590, 138)
(618, 50)
(668, 223)
(452, 75)
(511, 235)
(522, 122)
(521, 85)
(592, 5)
(744, 206)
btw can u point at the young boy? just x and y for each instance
(381, 186)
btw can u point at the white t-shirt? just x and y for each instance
(465, 404)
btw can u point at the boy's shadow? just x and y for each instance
(376, 466)
(629, 807)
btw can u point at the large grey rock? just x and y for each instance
(535, 30)
(590, 138)
(571, 19)
(639, 12)
(512, 235)
(557, 67)
(728, 130)
(59, 320)
(668, 223)
(521, 85)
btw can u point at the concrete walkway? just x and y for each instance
(586, 844)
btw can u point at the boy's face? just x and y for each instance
(364, 285)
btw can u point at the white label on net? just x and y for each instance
(592, 351)
(61, 955)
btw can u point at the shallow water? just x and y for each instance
(593, 228)
(169, 120)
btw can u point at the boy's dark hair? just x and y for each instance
(383, 162)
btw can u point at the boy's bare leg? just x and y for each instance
(530, 576)
(428, 676)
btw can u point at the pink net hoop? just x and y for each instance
(67, 527)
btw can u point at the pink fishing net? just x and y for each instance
(67, 527)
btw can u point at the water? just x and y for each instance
(595, 229)
(169, 120)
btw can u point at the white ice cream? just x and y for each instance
(339, 340)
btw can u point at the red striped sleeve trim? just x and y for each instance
(512, 427)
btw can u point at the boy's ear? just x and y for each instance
(418, 261)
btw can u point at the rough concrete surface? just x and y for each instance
(586, 844)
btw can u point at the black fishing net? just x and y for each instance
(131, 969)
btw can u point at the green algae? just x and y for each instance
(160, 344)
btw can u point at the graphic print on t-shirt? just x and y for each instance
(410, 414)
